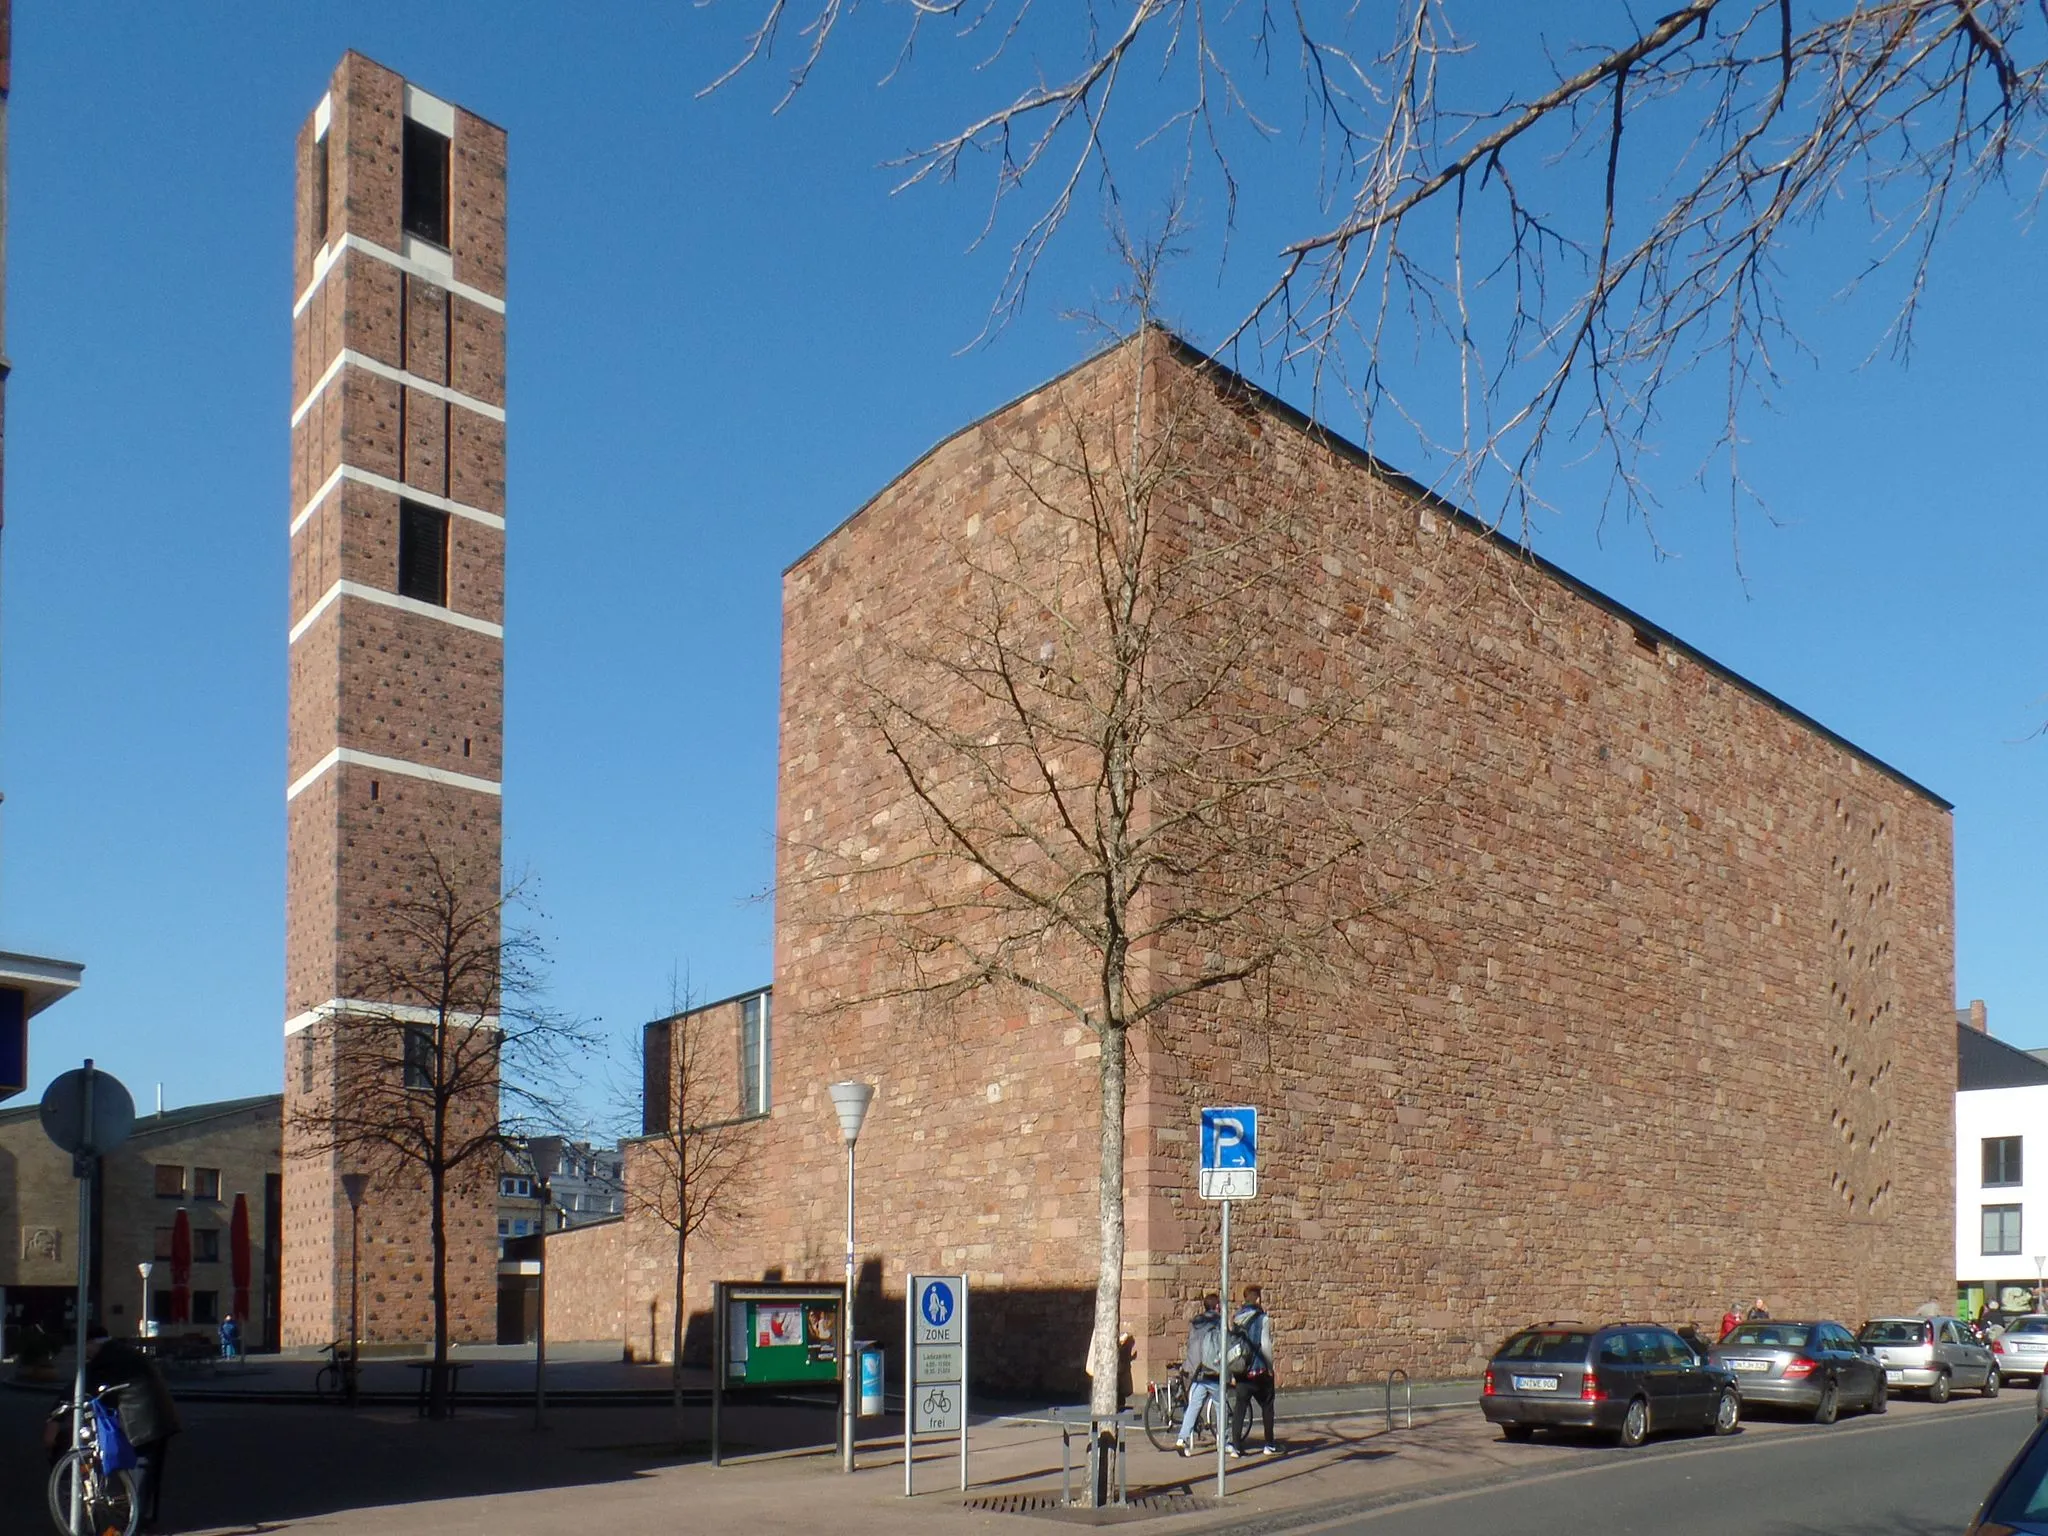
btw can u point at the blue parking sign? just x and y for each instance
(1230, 1153)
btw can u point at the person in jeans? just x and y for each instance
(1203, 1364)
(1256, 1324)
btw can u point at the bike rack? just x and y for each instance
(1407, 1399)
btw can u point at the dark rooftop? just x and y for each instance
(1984, 1061)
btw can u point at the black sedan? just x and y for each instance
(1630, 1380)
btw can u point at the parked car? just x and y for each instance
(1932, 1355)
(1815, 1367)
(2022, 1350)
(2017, 1504)
(1630, 1380)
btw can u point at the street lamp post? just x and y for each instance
(2040, 1267)
(851, 1100)
(144, 1269)
(353, 1185)
(540, 1312)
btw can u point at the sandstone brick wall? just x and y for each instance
(400, 682)
(1655, 1010)
(693, 1074)
(586, 1283)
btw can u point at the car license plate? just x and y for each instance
(1894, 1375)
(1535, 1383)
(1750, 1365)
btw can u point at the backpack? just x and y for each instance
(1246, 1359)
(1208, 1350)
(1242, 1354)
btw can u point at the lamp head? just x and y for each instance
(851, 1101)
(353, 1185)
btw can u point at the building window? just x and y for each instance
(170, 1181)
(516, 1187)
(424, 208)
(206, 1306)
(206, 1245)
(419, 1058)
(320, 191)
(205, 1183)
(504, 1227)
(163, 1245)
(2001, 1161)
(423, 553)
(2001, 1229)
(754, 1055)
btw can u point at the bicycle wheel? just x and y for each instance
(1161, 1425)
(111, 1505)
(327, 1382)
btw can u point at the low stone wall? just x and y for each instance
(586, 1283)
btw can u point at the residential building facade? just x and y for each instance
(2001, 1202)
(200, 1164)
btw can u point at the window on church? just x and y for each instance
(423, 553)
(755, 1087)
(424, 209)
(419, 1058)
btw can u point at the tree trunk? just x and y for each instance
(1106, 1348)
(675, 1365)
(437, 1377)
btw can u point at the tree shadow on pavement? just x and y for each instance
(247, 1467)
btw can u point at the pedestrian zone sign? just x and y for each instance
(1230, 1153)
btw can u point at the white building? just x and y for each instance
(2001, 1169)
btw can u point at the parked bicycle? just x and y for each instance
(336, 1380)
(1166, 1403)
(107, 1498)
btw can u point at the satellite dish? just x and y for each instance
(87, 1112)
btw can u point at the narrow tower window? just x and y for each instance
(320, 190)
(755, 1091)
(424, 212)
(422, 553)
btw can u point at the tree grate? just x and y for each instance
(1047, 1506)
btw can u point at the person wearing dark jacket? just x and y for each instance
(148, 1416)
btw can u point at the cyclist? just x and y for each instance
(148, 1416)
(1204, 1365)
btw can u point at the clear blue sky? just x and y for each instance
(725, 334)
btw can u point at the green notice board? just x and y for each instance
(777, 1336)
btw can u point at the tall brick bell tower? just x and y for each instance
(397, 638)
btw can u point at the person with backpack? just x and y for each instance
(1251, 1329)
(1204, 1365)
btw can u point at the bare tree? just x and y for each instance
(443, 1057)
(1570, 227)
(1126, 775)
(694, 1147)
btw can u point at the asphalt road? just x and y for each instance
(1917, 1471)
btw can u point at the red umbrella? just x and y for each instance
(238, 1257)
(181, 1268)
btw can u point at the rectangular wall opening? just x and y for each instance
(423, 211)
(423, 553)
